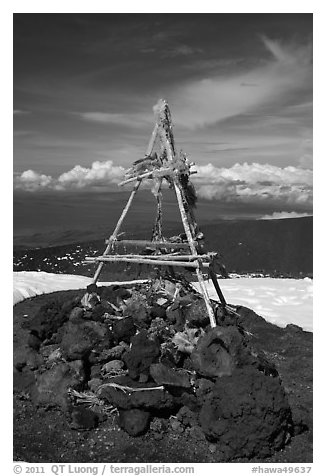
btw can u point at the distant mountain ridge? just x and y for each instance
(276, 247)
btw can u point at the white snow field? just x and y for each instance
(280, 301)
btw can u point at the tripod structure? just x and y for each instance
(174, 168)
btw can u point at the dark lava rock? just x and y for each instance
(164, 375)
(170, 354)
(134, 422)
(124, 329)
(219, 352)
(293, 329)
(115, 353)
(196, 314)
(52, 385)
(113, 294)
(142, 354)
(263, 364)
(203, 388)
(247, 413)
(27, 357)
(83, 419)
(160, 330)
(152, 400)
(187, 417)
(157, 311)
(76, 314)
(98, 312)
(23, 381)
(47, 320)
(34, 341)
(79, 339)
(137, 308)
(175, 316)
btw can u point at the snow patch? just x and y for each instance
(279, 301)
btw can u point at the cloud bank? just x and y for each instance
(250, 183)
(99, 175)
(246, 183)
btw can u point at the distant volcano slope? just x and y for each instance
(269, 246)
(275, 247)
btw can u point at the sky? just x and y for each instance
(239, 87)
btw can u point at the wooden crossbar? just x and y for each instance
(112, 259)
(172, 257)
(153, 244)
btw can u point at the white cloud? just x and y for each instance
(32, 181)
(100, 174)
(280, 215)
(251, 183)
(218, 97)
(247, 183)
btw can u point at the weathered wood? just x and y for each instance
(114, 235)
(213, 277)
(154, 244)
(112, 259)
(158, 172)
(193, 249)
(165, 131)
(162, 257)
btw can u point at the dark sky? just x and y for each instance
(239, 87)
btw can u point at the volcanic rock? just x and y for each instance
(196, 314)
(52, 385)
(79, 339)
(113, 294)
(23, 381)
(124, 329)
(219, 352)
(34, 341)
(76, 314)
(115, 353)
(157, 311)
(83, 419)
(175, 316)
(28, 357)
(135, 422)
(153, 400)
(137, 308)
(164, 375)
(47, 320)
(247, 413)
(142, 354)
(113, 365)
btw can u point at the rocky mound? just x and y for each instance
(148, 353)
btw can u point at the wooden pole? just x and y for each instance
(166, 134)
(213, 277)
(161, 171)
(161, 257)
(112, 258)
(113, 237)
(194, 252)
(154, 244)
